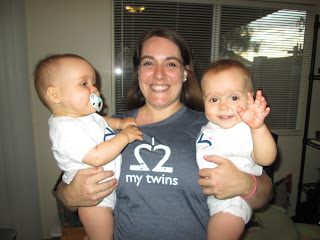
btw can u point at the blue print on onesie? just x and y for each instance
(235, 144)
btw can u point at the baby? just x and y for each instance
(236, 130)
(80, 137)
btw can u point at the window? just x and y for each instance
(273, 42)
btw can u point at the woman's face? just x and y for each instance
(161, 73)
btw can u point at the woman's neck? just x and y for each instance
(149, 114)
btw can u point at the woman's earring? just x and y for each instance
(185, 80)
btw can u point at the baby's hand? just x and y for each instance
(132, 133)
(129, 121)
(256, 111)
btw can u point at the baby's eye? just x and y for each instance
(234, 98)
(213, 100)
(84, 84)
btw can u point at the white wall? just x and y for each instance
(75, 26)
(85, 28)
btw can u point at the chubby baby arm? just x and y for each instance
(106, 151)
(117, 123)
(264, 147)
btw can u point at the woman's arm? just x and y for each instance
(263, 194)
(226, 181)
(85, 190)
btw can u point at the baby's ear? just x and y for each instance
(53, 94)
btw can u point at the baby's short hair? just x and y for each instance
(45, 71)
(227, 64)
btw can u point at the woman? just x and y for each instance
(160, 195)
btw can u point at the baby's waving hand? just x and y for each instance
(256, 111)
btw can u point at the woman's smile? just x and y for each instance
(159, 88)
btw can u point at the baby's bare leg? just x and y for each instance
(225, 226)
(98, 222)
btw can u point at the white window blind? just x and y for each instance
(273, 42)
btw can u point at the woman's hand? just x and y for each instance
(226, 181)
(223, 181)
(85, 190)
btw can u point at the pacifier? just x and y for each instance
(96, 102)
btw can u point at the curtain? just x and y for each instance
(19, 198)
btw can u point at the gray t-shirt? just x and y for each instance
(158, 196)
